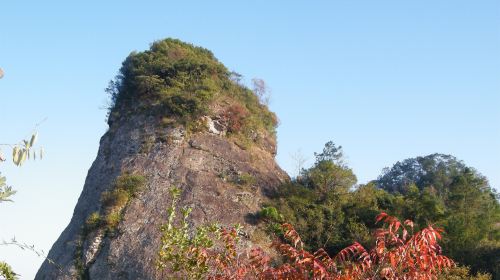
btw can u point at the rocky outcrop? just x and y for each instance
(206, 165)
(178, 119)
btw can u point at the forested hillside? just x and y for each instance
(185, 185)
(329, 210)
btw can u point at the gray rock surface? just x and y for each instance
(205, 165)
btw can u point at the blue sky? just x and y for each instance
(387, 80)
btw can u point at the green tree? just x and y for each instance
(472, 223)
(437, 189)
(422, 206)
(443, 190)
(435, 170)
(331, 153)
(315, 202)
(329, 172)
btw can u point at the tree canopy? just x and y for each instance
(436, 170)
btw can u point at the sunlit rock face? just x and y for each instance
(204, 163)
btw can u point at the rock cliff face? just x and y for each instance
(211, 168)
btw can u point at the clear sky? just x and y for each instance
(387, 80)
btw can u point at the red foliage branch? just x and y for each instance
(397, 254)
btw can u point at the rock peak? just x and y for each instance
(177, 120)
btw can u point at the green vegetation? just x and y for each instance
(6, 272)
(5, 191)
(178, 83)
(463, 273)
(130, 183)
(81, 270)
(210, 252)
(442, 190)
(93, 222)
(329, 211)
(21, 152)
(182, 251)
(113, 203)
(271, 214)
(245, 179)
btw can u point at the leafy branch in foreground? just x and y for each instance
(21, 152)
(208, 252)
(6, 272)
(28, 247)
(24, 150)
(5, 191)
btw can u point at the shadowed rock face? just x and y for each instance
(203, 164)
